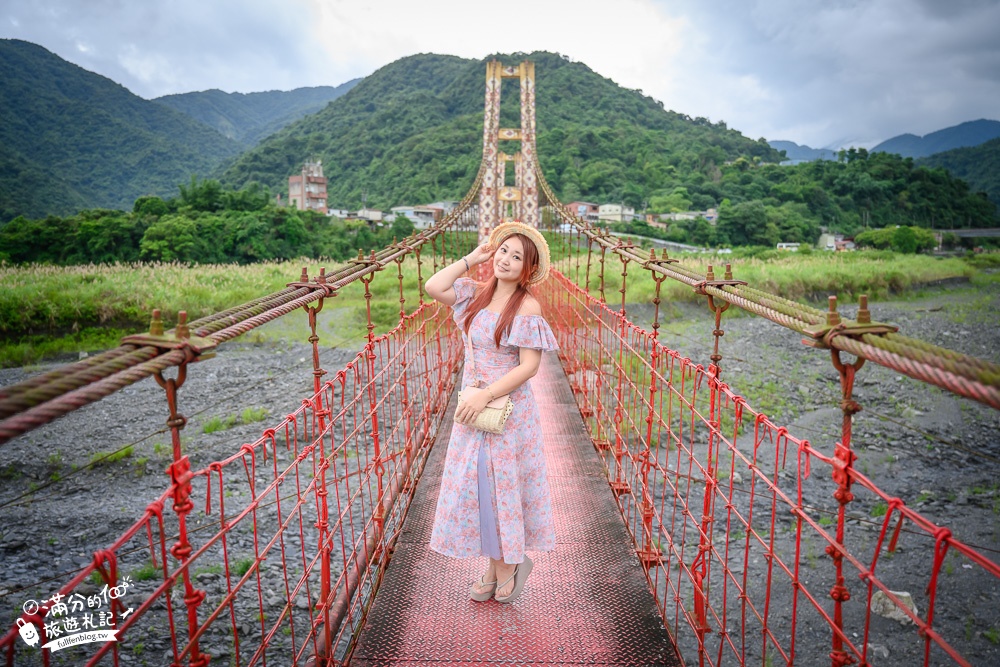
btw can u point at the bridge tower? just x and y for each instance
(499, 200)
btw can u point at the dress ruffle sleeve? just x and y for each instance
(465, 289)
(530, 331)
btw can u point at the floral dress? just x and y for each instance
(506, 471)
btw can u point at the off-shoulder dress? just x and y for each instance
(494, 497)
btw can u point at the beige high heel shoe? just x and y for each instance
(520, 575)
(482, 583)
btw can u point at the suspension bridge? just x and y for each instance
(669, 489)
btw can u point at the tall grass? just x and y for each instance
(46, 310)
(801, 277)
(51, 299)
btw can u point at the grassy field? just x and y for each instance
(810, 277)
(47, 311)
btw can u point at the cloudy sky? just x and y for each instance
(826, 74)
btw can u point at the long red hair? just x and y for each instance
(485, 291)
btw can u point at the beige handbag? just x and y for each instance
(494, 415)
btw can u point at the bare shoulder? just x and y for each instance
(530, 306)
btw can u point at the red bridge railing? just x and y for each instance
(275, 553)
(732, 516)
(730, 513)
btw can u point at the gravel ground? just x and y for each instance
(939, 453)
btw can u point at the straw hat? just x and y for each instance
(502, 231)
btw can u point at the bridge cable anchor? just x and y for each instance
(195, 348)
(317, 283)
(821, 335)
(710, 281)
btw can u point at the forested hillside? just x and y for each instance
(765, 205)
(249, 117)
(412, 132)
(71, 138)
(978, 165)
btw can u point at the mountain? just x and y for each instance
(794, 153)
(249, 117)
(979, 166)
(412, 132)
(72, 139)
(971, 133)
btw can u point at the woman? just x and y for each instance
(494, 498)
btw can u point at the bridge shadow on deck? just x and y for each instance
(585, 602)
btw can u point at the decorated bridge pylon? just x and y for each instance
(692, 526)
(498, 200)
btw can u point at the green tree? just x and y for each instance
(402, 227)
(253, 197)
(108, 236)
(48, 240)
(904, 240)
(746, 224)
(702, 233)
(204, 196)
(900, 239)
(150, 205)
(171, 238)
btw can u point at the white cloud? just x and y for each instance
(633, 44)
(843, 70)
(817, 73)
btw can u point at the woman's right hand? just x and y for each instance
(480, 254)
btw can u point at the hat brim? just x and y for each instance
(502, 231)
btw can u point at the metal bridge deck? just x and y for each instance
(585, 602)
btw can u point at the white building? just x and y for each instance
(421, 216)
(369, 214)
(711, 215)
(445, 206)
(615, 213)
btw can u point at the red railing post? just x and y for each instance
(843, 461)
(379, 516)
(604, 251)
(404, 365)
(620, 485)
(180, 478)
(650, 553)
(320, 413)
(700, 564)
(718, 333)
(590, 259)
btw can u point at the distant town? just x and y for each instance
(307, 192)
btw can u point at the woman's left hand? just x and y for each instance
(472, 404)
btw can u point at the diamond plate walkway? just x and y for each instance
(585, 602)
